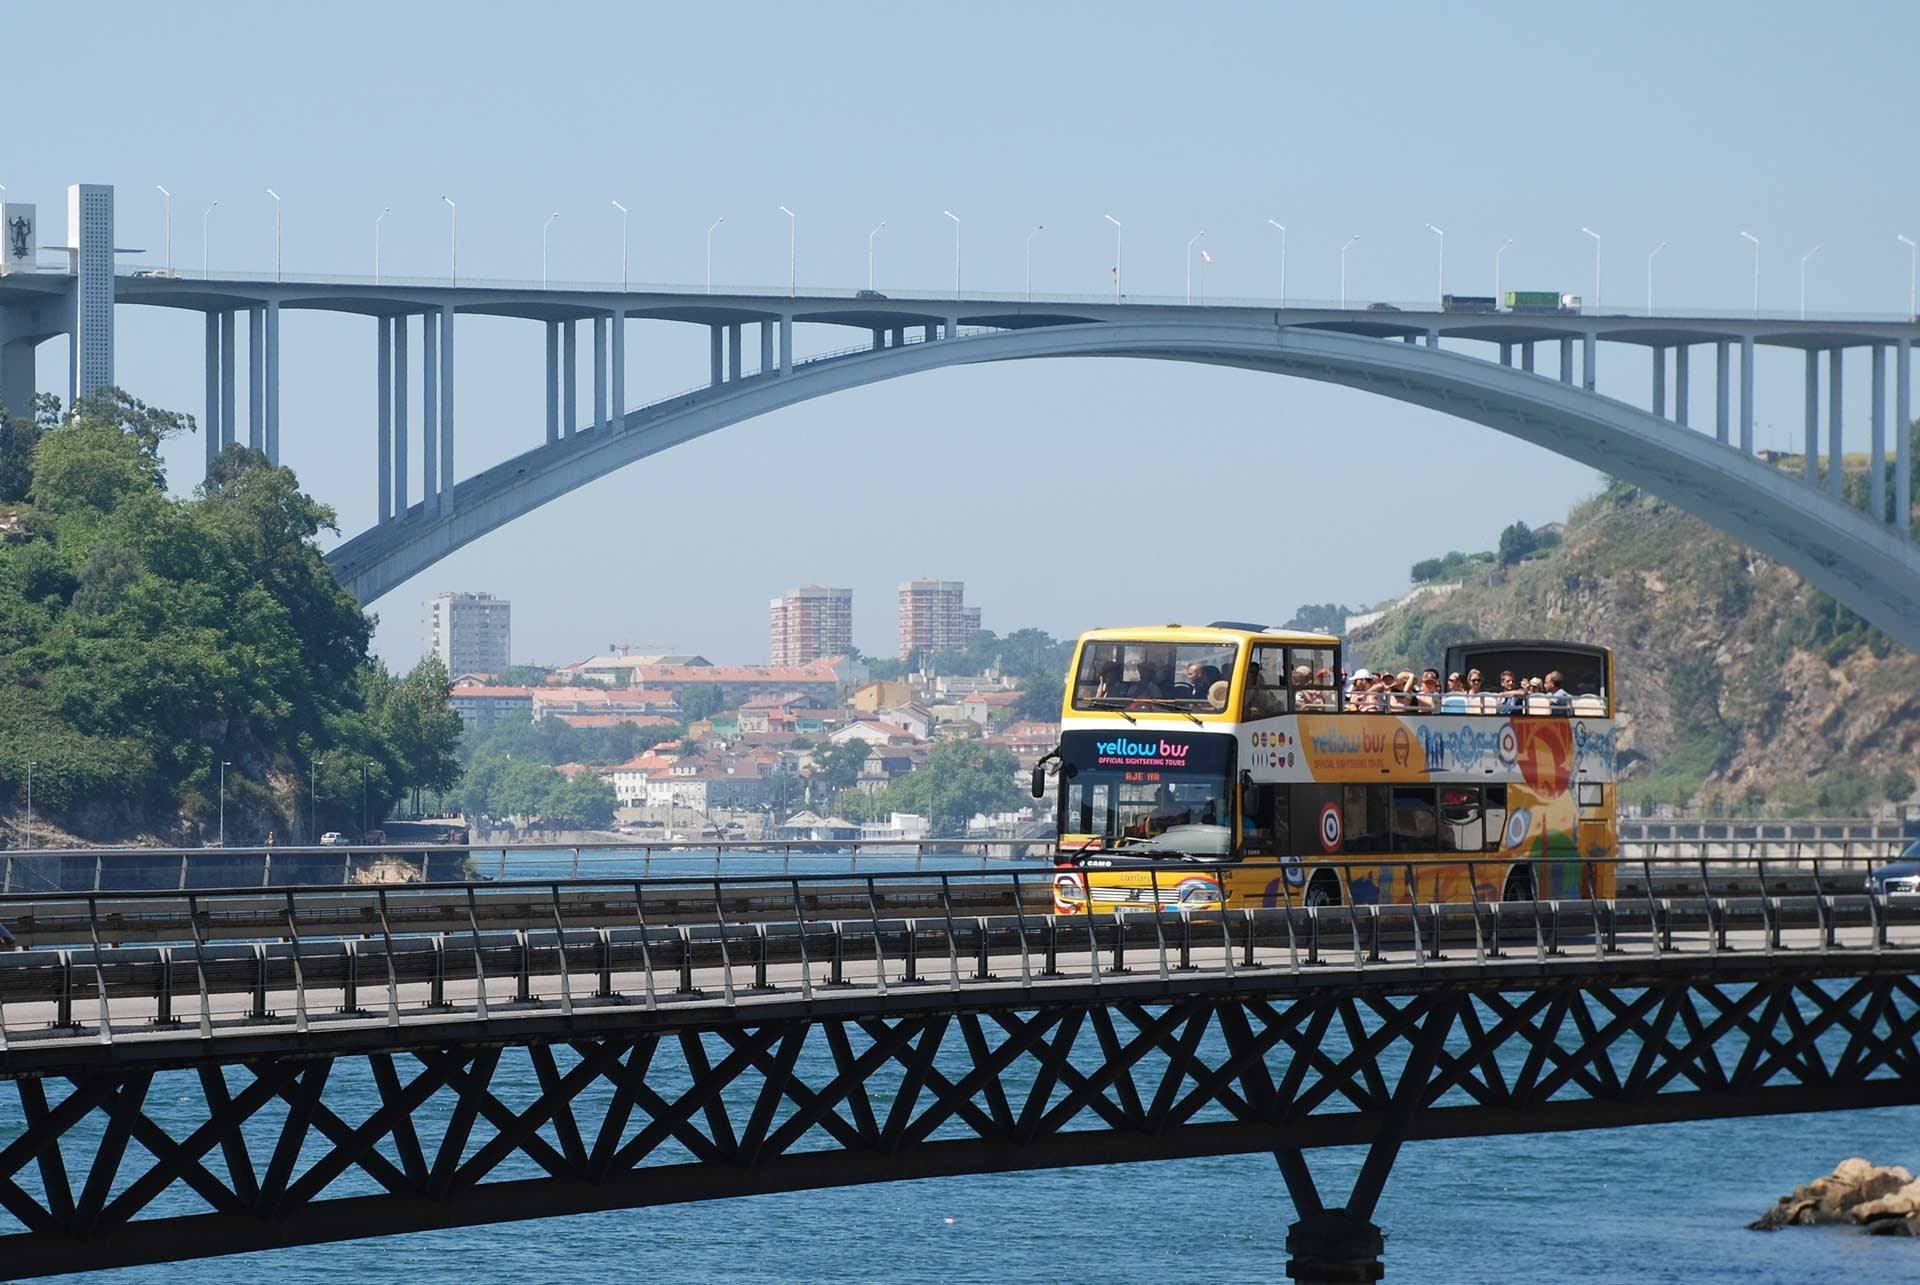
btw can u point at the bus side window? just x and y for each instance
(1259, 804)
(1365, 808)
(1496, 816)
(1414, 827)
(1461, 828)
(1266, 682)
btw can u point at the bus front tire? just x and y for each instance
(1323, 890)
(1519, 885)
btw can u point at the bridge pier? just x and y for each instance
(1526, 357)
(446, 406)
(400, 415)
(734, 371)
(1682, 384)
(619, 368)
(766, 347)
(569, 377)
(1746, 394)
(1721, 351)
(929, 333)
(1589, 343)
(1506, 354)
(1877, 453)
(600, 420)
(1810, 464)
(553, 382)
(1659, 381)
(257, 379)
(1566, 360)
(383, 397)
(1903, 435)
(210, 430)
(1836, 454)
(429, 406)
(715, 372)
(879, 338)
(229, 324)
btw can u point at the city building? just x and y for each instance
(808, 624)
(934, 616)
(471, 633)
(480, 706)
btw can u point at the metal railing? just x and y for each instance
(349, 958)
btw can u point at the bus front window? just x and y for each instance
(1147, 792)
(1152, 675)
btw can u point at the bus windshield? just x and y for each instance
(1155, 675)
(1148, 792)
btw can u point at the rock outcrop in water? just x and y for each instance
(1883, 1200)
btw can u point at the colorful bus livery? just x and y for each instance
(1229, 764)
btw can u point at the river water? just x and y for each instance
(1652, 1203)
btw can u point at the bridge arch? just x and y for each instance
(1838, 548)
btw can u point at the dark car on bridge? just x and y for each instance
(1899, 877)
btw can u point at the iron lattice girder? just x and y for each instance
(715, 1110)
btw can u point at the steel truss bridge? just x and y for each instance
(364, 1061)
(1478, 366)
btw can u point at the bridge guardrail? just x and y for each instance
(807, 935)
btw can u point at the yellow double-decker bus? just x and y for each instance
(1236, 765)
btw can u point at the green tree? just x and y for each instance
(837, 767)
(702, 700)
(583, 801)
(1516, 542)
(959, 779)
(1321, 617)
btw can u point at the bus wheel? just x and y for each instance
(1323, 890)
(1519, 886)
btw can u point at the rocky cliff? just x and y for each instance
(1742, 689)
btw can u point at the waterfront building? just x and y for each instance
(471, 633)
(482, 706)
(934, 616)
(808, 624)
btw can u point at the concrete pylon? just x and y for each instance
(1334, 1247)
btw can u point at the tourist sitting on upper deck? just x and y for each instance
(1455, 700)
(1429, 690)
(1559, 699)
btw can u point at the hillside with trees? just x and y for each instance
(1743, 689)
(145, 640)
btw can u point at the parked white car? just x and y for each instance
(333, 839)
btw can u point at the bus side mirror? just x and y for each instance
(1039, 780)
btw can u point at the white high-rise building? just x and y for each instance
(934, 616)
(809, 623)
(471, 633)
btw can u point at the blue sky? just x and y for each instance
(1066, 494)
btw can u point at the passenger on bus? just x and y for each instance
(1200, 679)
(1217, 694)
(1455, 701)
(1537, 700)
(1110, 680)
(1151, 684)
(1512, 695)
(1429, 690)
(1559, 698)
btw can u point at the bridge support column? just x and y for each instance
(766, 347)
(1682, 384)
(17, 377)
(899, 336)
(210, 426)
(619, 359)
(1433, 339)
(1659, 354)
(1589, 344)
(273, 382)
(400, 415)
(1721, 412)
(1810, 466)
(1902, 438)
(1409, 338)
(786, 345)
(600, 420)
(879, 337)
(229, 343)
(717, 373)
(569, 377)
(1746, 395)
(1877, 454)
(383, 364)
(953, 327)
(1526, 358)
(1566, 360)
(429, 407)
(1506, 354)
(1836, 451)
(446, 406)
(929, 333)
(734, 370)
(553, 382)
(257, 379)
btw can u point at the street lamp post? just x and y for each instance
(793, 249)
(453, 243)
(276, 232)
(169, 196)
(1756, 272)
(1650, 258)
(1913, 272)
(1283, 258)
(224, 765)
(956, 251)
(378, 219)
(710, 228)
(204, 216)
(1118, 232)
(363, 800)
(1596, 266)
(1440, 296)
(1191, 241)
(313, 802)
(546, 247)
(870, 239)
(1496, 269)
(1343, 267)
(30, 802)
(1803, 280)
(623, 245)
(1036, 232)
